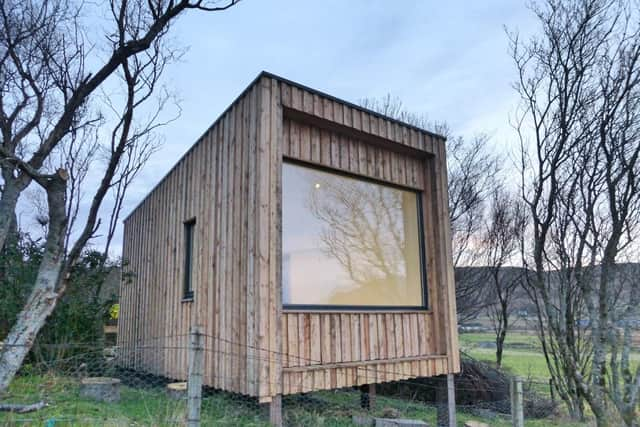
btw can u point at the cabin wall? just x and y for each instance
(337, 349)
(225, 182)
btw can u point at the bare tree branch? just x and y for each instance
(49, 110)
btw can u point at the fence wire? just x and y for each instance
(90, 384)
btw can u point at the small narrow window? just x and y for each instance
(189, 228)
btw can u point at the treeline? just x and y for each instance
(563, 206)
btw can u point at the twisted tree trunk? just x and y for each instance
(44, 295)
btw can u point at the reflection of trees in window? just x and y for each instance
(371, 230)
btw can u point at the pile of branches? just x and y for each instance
(478, 385)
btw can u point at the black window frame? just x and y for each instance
(421, 247)
(189, 242)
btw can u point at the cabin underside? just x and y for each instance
(327, 351)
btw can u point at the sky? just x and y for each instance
(448, 60)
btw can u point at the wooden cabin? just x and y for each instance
(308, 236)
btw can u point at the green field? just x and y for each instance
(522, 353)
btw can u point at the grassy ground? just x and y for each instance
(151, 407)
(148, 407)
(522, 354)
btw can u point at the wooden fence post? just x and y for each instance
(275, 411)
(445, 402)
(368, 396)
(517, 408)
(451, 400)
(194, 382)
(372, 396)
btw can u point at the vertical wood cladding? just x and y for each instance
(392, 343)
(231, 181)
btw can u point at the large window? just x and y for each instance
(349, 241)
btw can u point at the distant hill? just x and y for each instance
(474, 286)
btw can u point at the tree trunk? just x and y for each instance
(44, 295)
(31, 319)
(8, 202)
(502, 332)
(599, 339)
(630, 418)
(602, 420)
(576, 408)
(500, 346)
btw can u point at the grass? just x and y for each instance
(527, 364)
(522, 356)
(151, 407)
(148, 406)
(512, 339)
(407, 409)
(522, 353)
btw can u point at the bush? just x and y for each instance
(19, 261)
(79, 317)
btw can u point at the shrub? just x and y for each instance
(77, 322)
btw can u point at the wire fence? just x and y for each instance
(91, 384)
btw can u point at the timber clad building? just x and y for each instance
(308, 237)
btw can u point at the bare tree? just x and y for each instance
(501, 242)
(579, 83)
(76, 156)
(472, 177)
(472, 170)
(47, 97)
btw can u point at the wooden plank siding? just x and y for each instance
(218, 183)
(230, 181)
(336, 339)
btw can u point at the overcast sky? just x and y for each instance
(448, 60)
